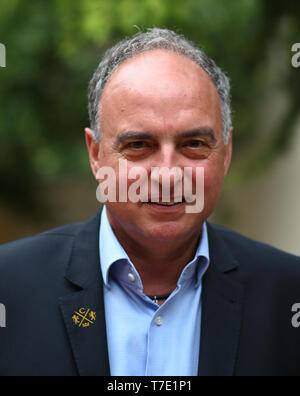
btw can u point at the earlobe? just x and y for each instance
(93, 150)
(228, 154)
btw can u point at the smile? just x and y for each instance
(166, 207)
(168, 203)
(173, 202)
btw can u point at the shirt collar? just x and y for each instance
(111, 252)
(202, 255)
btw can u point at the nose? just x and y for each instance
(166, 173)
(166, 157)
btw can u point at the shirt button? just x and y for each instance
(159, 321)
(131, 277)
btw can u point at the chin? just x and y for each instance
(165, 232)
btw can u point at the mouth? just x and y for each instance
(172, 202)
(172, 206)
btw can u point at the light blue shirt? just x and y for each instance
(145, 339)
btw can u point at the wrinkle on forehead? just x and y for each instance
(159, 66)
(163, 83)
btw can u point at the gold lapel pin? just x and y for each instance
(84, 317)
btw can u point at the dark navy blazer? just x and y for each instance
(248, 293)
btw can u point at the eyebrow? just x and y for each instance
(199, 132)
(133, 135)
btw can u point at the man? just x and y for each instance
(146, 288)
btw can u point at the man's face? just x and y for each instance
(161, 110)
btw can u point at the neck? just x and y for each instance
(159, 263)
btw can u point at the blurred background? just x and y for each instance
(53, 48)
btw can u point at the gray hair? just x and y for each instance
(146, 41)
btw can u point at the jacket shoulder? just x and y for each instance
(256, 255)
(40, 248)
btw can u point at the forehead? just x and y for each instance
(161, 85)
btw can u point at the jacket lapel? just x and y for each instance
(83, 309)
(221, 311)
(84, 314)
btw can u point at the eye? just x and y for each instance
(137, 149)
(194, 144)
(138, 145)
(195, 149)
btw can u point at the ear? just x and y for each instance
(93, 149)
(228, 153)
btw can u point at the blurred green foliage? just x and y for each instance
(54, 46)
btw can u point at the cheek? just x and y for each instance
(213, 178)
(213, 182)
(135, 181)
